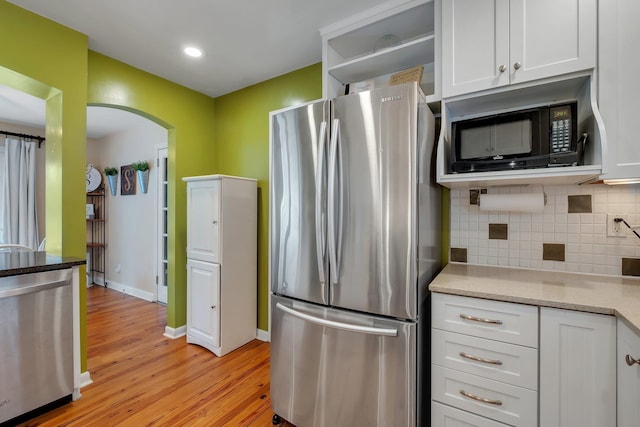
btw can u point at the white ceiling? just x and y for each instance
(245, 42)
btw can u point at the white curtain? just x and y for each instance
(19, 205)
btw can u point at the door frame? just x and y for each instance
(161, 153)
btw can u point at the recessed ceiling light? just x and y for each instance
(193, 52)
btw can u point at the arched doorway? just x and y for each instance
(117, 138)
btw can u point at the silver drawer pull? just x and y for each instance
(480, 359)
(480, 319)
(481, 399)
(630, 360)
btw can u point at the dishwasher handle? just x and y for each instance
(29, 289)
(387, 332)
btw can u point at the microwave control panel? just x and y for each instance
(560, 129)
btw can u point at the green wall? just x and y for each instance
(52, 62)
(228, 135)
(242, 147)
(189, 117)
(49, 61)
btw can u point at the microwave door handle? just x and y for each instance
(320, 236)
(331, 229)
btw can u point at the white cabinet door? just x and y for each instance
(492, 43)
(577, 369)
(550, 37)
(203, 304)
(203, 222)
(628, 377)
(619, 86)
(475, 45)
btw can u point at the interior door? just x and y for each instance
(298, 266)
(162, 259)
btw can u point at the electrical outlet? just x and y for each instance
(615, 229)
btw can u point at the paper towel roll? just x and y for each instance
(523, 202)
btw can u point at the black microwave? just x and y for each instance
(539, 137)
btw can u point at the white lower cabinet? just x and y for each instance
(577, 369)
(484, 358)
(628, 376)
(498, 364)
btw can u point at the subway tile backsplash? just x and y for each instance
(582, 234)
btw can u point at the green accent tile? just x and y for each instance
(580, 204)
(553, 251)
(499, 231)
(458, 254)
(631, 266)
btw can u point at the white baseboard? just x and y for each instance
(175, 333)
(85, 379)
(129, 290)
(263, 335)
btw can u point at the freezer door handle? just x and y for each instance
(387, 332)
(319, 178)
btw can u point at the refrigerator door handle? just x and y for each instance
(387, 332)
(331, 222)
(319, 178)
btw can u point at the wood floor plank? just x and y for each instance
(141, 378)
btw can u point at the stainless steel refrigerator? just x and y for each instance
(354, 242)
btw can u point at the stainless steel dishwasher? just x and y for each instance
(36, 342)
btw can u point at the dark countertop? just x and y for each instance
(23, 262)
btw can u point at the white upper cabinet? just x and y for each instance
(492, 43)
(371, 46)
(619, 87)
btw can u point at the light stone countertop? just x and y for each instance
(572, 291)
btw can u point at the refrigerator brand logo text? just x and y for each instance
(392, 98)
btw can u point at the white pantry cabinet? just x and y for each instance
(577, 369)
(492, 43)
(628, 376)
(221, 261)
(619, 86)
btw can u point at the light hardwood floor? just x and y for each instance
(141, 378)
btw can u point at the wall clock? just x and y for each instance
(94, 179)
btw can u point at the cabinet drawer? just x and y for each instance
(496, 320)
(509, 363)
(446, 416)
(516, 406)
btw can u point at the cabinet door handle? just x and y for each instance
(481, 399)
(480, 319)
(480, 359)
(517, 66)
(213, 307)
(502, 68)
(631, 361)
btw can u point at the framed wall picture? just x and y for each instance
(127, 181)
